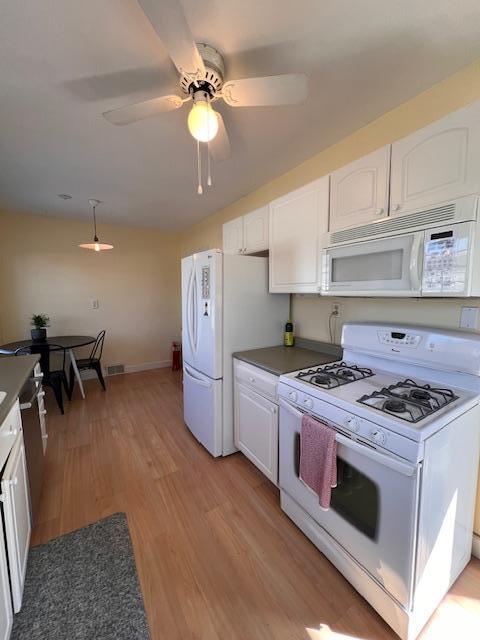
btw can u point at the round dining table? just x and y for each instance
(55, 343)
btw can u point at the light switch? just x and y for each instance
(94, 304)
(469, 318)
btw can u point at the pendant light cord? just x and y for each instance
(95, 238)
(199, 169)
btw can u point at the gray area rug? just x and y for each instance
(83, 585)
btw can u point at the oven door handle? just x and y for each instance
(395, 464)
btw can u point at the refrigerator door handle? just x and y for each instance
(190, 311)
(196, 379)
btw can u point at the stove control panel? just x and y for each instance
(347, 422)
(399, 339)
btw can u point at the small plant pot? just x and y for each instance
(39, 335)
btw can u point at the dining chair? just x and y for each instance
(94, 361)
(53, 378)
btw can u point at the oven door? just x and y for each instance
(373, 510)
(387, 267)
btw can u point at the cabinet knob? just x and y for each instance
(239, 250)
(396, 207)
(252, 379)
(380, 211)
(14, 480)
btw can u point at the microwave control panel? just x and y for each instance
(445, 260)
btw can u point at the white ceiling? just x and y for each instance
(64, 62)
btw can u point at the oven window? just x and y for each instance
(368, 267)
(355, 498)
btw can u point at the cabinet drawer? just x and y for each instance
(9, 431)
(261, 381)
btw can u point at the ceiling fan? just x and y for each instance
(201, 68)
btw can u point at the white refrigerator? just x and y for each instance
(226, 307)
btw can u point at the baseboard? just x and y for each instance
(88, 374)
(476, 545)
(145, 366)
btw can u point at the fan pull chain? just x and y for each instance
(199, 169)
(209, 169)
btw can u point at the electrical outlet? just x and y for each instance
(95, 304)
(469, 318)
(336, 309)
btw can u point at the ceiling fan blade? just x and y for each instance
(291, 88)
(168, 20)
(142, 110)
(219, 147)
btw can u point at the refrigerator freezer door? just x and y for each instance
(202, 312)
(202, 409)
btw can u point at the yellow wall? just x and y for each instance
(310, 313)
(42, 270)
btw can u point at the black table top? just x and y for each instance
(65, 342)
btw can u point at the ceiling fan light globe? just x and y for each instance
(202, 122)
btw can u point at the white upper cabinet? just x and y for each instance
(437, 163)
(255, 230)
(247, 234)
(359, 191)
(298, 222)
(233, 236)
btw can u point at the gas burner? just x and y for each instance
(408, 400)
(334, 375)
(395, 406)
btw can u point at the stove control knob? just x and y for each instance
(352, 423)
(292, 395)
(379, 436)
(308, 402)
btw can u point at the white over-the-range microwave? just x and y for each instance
(434, 252)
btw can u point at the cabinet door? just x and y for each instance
(16, 504)
(233, 236)
(359, 191)
(255, 230)
(6, 612)
(438, 163)
(298, 222)
(256, 430)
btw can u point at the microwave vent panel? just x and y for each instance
(428, 217)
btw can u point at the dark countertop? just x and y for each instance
(14, 372)
(280, 359)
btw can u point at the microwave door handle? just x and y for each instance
(416, 262)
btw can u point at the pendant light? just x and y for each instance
(95, 245)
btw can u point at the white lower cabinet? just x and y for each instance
(6, 613)
(256, 429)
(18, 523)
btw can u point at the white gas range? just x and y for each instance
(404, 402)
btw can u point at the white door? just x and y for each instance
(437, 163)
(202, 312)
(256, 430)
(359, 191)
(6, 612)
(372, 512)
(298, 222)
(233, 236)
(16, 505)
(202, 408)
(255, 230)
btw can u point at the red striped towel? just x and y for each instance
(318, 458)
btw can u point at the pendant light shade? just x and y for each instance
(96, 245)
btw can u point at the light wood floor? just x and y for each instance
(217, 559)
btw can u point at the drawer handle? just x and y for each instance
(13, 431)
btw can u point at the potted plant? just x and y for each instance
(39, 321)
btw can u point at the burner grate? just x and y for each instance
(409, 400)
(334, 375)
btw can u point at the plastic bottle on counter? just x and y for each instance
(288, 338)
